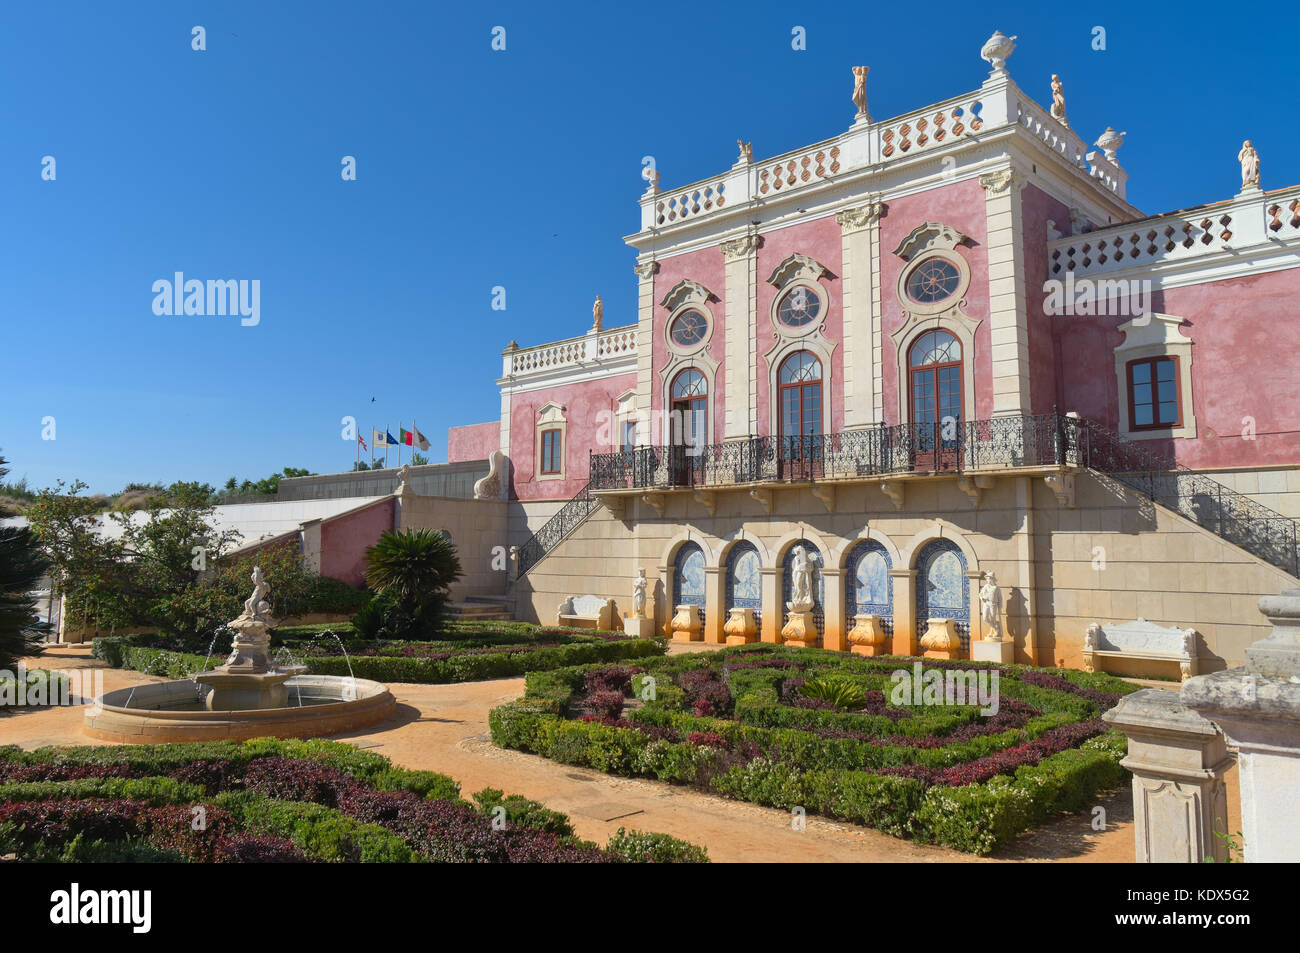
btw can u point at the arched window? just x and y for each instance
(942, 588)
(935, 385)
(744, 581)
(688, 577)
(688, 424)
(869, 589)
(800, 384)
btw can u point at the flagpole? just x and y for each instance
(372, 448)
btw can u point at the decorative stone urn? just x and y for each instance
(996, 49)
(801, 629)
(867, 637)
(1109, 142)
(248, 680)
(741, 627)
(941, 640)
(686, 625)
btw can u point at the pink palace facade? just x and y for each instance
(928, 348)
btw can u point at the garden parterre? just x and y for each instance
(270, 800)
(758, 723)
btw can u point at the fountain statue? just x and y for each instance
(248, 679)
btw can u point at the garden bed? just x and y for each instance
(469, 652)
(269, 801)
(821, 731)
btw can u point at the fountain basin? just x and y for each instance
(177, 711)
(233, 690)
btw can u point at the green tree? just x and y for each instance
(418, 459)
(84, 565)
(22, 565)
(417, 568)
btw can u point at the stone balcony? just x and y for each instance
(595, 348)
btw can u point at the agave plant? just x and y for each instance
(841, 692)
(416, 568)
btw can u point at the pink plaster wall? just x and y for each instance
(1244, 336)
(820, 239)
(706, 268)
(962, 206)
(583, 404)
(473, 441)
(345, 538)
(1045, 355)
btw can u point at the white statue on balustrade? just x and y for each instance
(1249, 159)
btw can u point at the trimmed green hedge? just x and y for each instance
(122, 652)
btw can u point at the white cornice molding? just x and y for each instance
(684, 292)
(929, 235)
(797, 266)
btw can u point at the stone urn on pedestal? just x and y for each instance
(941, 640)
(249, 680)
(686, 624)
(867, 637)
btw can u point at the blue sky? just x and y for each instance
(475, 168)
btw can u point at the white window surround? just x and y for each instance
(926, 241)
(625, 413)
(1155, 335)
(707, 366)
(550, 416)
(697, 347)
(798, 270)
(819, 347)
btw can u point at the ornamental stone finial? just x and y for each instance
(1109, 142)
(746, 151)
(996, 49)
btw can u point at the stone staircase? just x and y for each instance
(482, 609)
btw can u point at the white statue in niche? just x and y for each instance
(638, 594)
(1092, 638)
(991, 607)
(801, 581)
(1249, 159)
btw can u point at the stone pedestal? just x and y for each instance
(1258, 709)
(800, 630)
(982, 650)
(741, 627)
(640, 628)
(867, 637)
(941, 640)
(686, 624)
(1177, 759)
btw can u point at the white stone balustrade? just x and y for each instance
(614, 344)
(996, 104)
(1259, 221)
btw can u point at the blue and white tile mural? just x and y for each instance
(943, 591)
(870, 590)
(744, 582)
(688, 577)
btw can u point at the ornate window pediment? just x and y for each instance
(929, 236)
(797, 267)
(686, 292)
(550, 413)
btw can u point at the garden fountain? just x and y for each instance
(246, 697)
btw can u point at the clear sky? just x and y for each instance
(475, 168)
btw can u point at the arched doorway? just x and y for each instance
(934, 371)
(818, 586)
(688, 421)
(799, 382)
(744, 581)
(688, 577)
(869, 589)
(942, 588)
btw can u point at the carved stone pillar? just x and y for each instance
(1177, 759)
(740, 277)
(904, 611)
(860, 250)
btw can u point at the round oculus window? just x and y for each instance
(799, 307)
(688, 329)
(932, 281)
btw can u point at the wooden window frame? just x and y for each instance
(1156, 423)
(557, 452)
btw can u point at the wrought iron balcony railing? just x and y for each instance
(1031, 441)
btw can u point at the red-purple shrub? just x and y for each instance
(255, 849)
(611, 678)
(710, 738)
(296, 779)
(605, 704)
(706, 692)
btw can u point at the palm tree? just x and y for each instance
(417, 568)
(22, 564)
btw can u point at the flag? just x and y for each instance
(382, 438)
(421, 440)
(362, 441)
(406, 436)
(389, 437)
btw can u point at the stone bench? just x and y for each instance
(1140, 640)
(588, 611)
